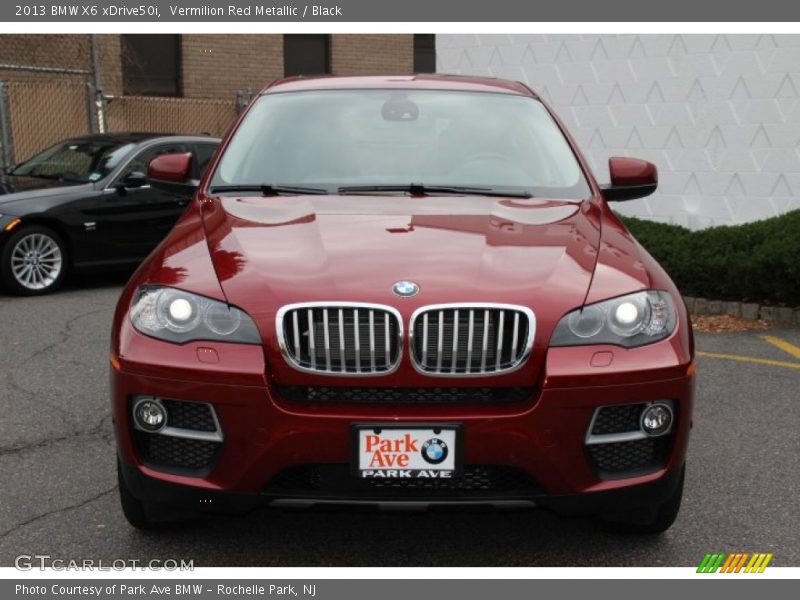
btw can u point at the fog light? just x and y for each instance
(149, 415)
(656, 419)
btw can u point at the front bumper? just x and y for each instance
(541, 437)
(627, 498)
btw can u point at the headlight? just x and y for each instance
(629, 321)
(173, 315)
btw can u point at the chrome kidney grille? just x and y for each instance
(459, 340)
(341, 339)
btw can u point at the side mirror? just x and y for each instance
(171, 173)
(631, 178)
(134, 179)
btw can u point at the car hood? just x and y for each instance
(269, 252)
(14, 188)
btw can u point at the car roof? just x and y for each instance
(136, 137)
(429, 82)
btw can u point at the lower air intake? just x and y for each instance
(335, 481)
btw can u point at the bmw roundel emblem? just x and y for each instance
(434, 451)
(405, 289)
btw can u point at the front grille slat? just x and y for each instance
(425, 340)
(311, 345)
(454, 362)
(440, 339)
(334, 338)
(485, 340)
(499, 352)
(327, 335)
(387, 339)
(296, 334)
(515, 335)
(357, 339)
(471, 340)
(372, 340)
(341, 341)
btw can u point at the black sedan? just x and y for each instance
(86, 204)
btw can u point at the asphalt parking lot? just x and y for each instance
(59, 493)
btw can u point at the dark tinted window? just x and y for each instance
(424, 53)
(76, 160)
(306, 54)
(203, 154)
(151, 65)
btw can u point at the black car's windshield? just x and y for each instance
(345, 139)
(76, 160)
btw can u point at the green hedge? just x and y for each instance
(754, 262)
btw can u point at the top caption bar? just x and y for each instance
(405, 11)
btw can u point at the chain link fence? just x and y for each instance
(170, 115)
(50, 90)
(46, 92)
(40, 114)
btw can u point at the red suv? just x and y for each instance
(401, 290)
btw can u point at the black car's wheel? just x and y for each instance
(33, 261)
(148, 515)
(649, 520)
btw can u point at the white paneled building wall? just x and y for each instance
(718, 114)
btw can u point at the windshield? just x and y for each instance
(361, 138)
(77, 160)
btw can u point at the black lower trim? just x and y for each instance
(405, 396)
(148, 489)
(335, 481)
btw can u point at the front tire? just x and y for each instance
(650, 520)
(33, 261)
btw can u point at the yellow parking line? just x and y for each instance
(783, 345)
(750, 359)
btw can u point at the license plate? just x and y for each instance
(407, 451)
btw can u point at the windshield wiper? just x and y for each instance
(418, 189)
(268, 189)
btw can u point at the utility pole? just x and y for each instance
(99, 101)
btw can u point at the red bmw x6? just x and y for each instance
(401, 290)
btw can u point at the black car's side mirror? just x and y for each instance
(134, 179)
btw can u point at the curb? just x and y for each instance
(749, 311)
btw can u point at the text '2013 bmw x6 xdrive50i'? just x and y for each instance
(402, 290)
